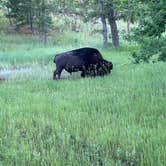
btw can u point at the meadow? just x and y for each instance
(115, 120)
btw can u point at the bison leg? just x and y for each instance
(57, 73)
(83, 74)
(95, 70)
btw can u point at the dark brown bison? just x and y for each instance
(87, 60)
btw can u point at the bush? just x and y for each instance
(162, 55)
(152, 49)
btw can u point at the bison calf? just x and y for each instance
(87, 60)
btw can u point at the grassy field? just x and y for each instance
(115, 120)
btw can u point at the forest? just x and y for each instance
(117, 119)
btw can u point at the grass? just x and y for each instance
(116, 120)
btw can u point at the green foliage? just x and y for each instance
(136, 57)
(152, 49)
(150, 32)
(153, 23)
(35, 13)
(162, 55)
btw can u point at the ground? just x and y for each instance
(118, 119)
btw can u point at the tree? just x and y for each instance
(152, 25)
(105, 10)
(18, 10)
(104, 23)
(155, 21)
(128, 11)
(44, 20)
(113, 25)
(35, 13)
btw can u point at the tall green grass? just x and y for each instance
(22, 50)
(118, 119)
(31, 55)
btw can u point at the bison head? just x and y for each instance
(107, 65)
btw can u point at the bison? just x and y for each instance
(87, 60)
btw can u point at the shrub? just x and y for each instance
(162, 55)
(152, 49)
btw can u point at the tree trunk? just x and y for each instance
(104, 24)
(128, 26)
(31, 22)
(9, 17)
(30, 15)
(129, 17)
(113, 26)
